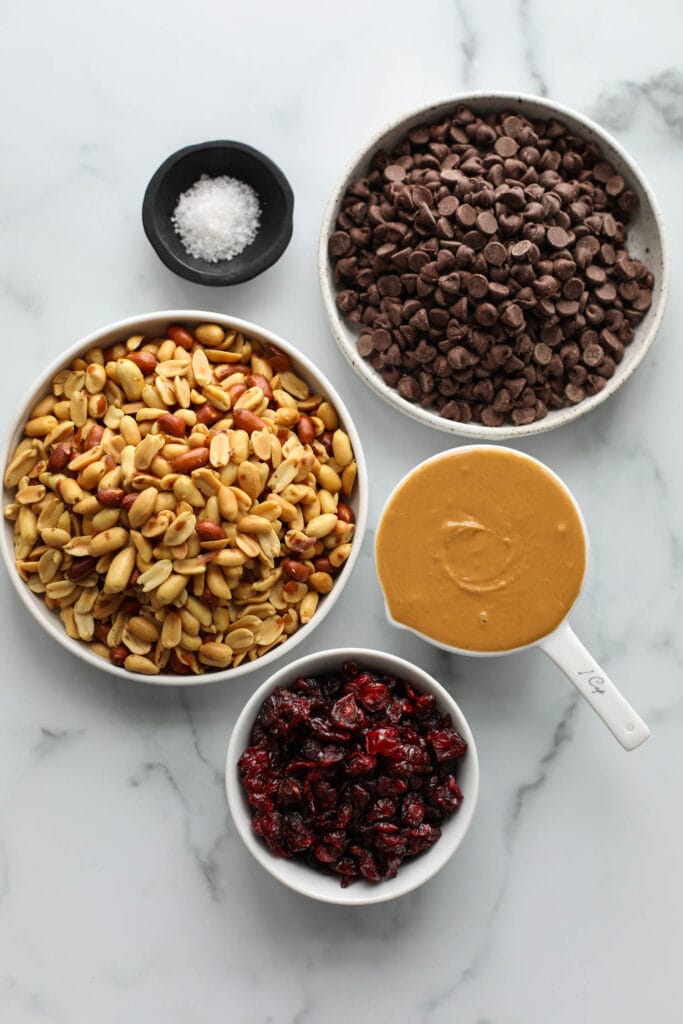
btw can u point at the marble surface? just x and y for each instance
(125, 893)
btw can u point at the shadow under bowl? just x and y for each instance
(180, 171)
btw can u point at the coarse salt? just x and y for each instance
(217, 218)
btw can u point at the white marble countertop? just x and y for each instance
(125, 893)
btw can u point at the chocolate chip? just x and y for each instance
(495, 254)
(447, 206)
(595, 274)
(486, 314)
(487, 223)
(491, 418)
(574, 393)
(485, 261)
(339, 244)
(513, 316)
(606, 293)
(593, 355)
(522, 417)
(558, 237)
(542, 354)
(408, 388)
(381, 340)
(466, 215)
(420, 320)
(505, 146)
(643, 300)
(394, 172)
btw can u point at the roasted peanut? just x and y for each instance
(245, 419)
(178, 489)
(188, 461)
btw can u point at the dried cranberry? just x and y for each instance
(426, 709)
(326, 854)
(447, 795)
(270, 826)
(346, 714)
(361, 764)
(288, 792)
(447, 744)
(391, 787)
(384, 741)
(345, 815)
(282, 712)
(297, 836)
(420, 838)
(359, 796)
(383, 809)
(323, 728)
(351, 772)
(368, 866)
(412, 810)
(372, 695)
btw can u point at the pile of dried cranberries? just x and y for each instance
(351, 772)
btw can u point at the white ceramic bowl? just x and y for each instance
(152, 324)
(645, 241)
(415, 870)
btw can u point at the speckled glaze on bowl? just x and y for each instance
(414, 871)
(152, 324)
(646, 241)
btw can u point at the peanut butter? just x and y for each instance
(482, 550)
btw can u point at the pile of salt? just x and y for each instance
(217, 218)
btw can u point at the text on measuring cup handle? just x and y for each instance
(596, 683)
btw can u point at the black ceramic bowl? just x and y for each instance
(181, 171)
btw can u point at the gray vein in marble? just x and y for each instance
(529, 47)
(304, 1013)
(560, 738)
(185, 704)
(205, 862)
(468, 42)
(21, 296)
(29, 1001)
(52, 739)
(616, 105)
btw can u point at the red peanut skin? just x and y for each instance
(145, 361)
(188, 461)
(305, 429)
(172, 424)
(208, 530)
(181, 336)
(244, 419)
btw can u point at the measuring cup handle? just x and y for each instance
(569, 654)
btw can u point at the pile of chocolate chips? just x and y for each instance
(485, 261)
(351, 772)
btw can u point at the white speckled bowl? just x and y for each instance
(414, 871)
(645, 240)
(152, 324)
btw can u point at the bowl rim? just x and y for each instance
(434, 859)
(337, 324)
(50, 622)
(262, 260)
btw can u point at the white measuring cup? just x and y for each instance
(562, 644)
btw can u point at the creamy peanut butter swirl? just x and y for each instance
(478, 559)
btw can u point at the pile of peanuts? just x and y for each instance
(181, 501)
